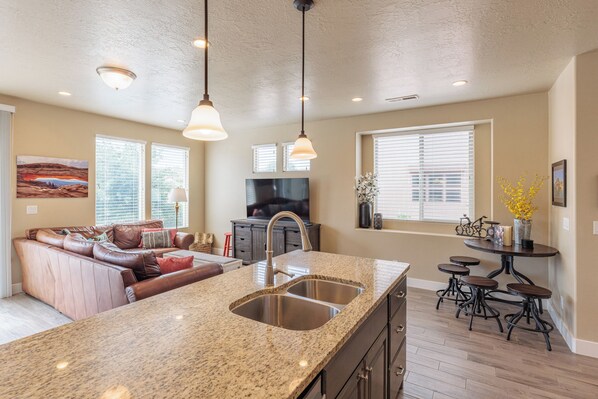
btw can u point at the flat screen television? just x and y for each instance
(266, 197)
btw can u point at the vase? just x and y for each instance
(522, 230)
(365, 215)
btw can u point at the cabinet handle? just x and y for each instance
(400, 329)
(400, 371)
(360, 379)
(369, 381)
(400, 295)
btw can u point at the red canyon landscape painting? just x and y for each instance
(41, 177)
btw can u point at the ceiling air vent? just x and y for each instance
(402, 98)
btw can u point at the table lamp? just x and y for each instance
(177, 195)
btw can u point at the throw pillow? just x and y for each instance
(101, 237)
(156, 239)
(172, 264)
(65, 232)
(173, 233)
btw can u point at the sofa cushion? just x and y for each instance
(156, 239)
(172, 264)
(143, 263)
(128, 236)
(78, 244)
(85, 231)
(47, 236)
(158, 251)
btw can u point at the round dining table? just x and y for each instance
(507, 255)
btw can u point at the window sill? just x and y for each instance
(420, 233)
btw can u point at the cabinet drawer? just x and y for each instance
(398, 329)
(397, 297)
(243, 231)
(397, 371)
(292, 247)
(242, 242)
(243, 254)
(293, 237)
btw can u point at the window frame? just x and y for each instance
(142, 177)
(185, 221)
(423, 183)
(286, 157)
(254, 152)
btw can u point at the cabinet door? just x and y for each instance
(376, 366)
(355, 387)
(258, 243)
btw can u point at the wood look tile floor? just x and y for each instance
(446, 360)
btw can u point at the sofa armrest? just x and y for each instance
(183, 240)
(166, 282)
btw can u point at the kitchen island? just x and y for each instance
(187, 343)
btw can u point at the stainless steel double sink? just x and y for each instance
(305, 305)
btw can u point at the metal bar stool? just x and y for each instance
(478, 286)
(453, 291)
(530, 294)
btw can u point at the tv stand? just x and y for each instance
(249, 238)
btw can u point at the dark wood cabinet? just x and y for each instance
(249, 238)
(371, 365)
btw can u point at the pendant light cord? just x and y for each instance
(206, 96)
(303, 78)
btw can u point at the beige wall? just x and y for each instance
(587, 195)
(520, 129)
(562, 122)
(46, 130)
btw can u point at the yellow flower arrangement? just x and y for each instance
(519, 200)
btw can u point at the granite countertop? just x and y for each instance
(186, 343)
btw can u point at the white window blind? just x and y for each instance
(425, 175)
(120, 180)
(170, 169)
(264, 158)
(293, 165)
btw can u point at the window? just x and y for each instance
(120, 180)
(293, 165)
(264, 158)
(425, 175)
(170, 169)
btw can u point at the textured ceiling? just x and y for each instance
(374, 49)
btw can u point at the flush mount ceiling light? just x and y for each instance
(117, 78)
(303, 148)
(460, 83)
(205, 122)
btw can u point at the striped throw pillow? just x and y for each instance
(156, 239)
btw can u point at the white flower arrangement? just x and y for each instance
(367, 188)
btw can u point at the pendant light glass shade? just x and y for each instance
(303, 149)
(205, 124)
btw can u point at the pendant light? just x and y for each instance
(303, 148)
(205, 122)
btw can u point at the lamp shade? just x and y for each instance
(177, 195)
(303, 149)
(205, 124)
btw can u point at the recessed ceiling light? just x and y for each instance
(200, 42)
(117, 78)
(179, 317)
(304, 98)
(460, 83)
(357, 99)
(62, 365)
(64, 93)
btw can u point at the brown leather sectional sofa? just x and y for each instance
(81, 278)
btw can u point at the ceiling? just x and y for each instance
(373, 49)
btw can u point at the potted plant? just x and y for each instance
(519, 200)
(367, 188)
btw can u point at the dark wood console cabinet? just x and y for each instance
(249, 238)
(371, 365)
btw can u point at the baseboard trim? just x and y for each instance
(218, 251)
(562, 327)
(425, 284)
(17, 288)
